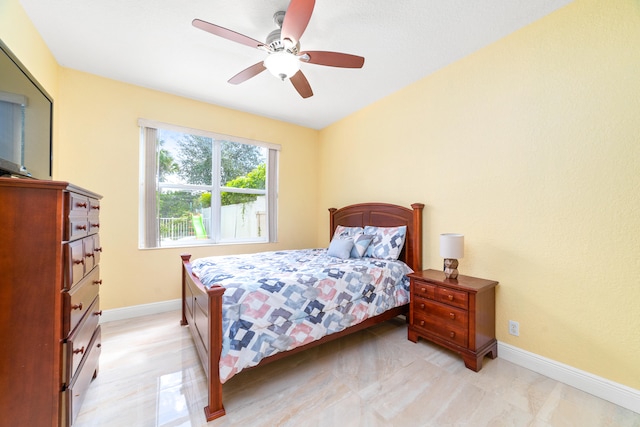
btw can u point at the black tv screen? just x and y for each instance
(26, 113)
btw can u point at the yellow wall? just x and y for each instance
(531, 149)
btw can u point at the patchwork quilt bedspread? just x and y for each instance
(277, 301)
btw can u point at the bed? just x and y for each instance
(221, 332)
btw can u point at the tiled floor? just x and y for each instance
(150, 376)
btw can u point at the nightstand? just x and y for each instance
(456, 314)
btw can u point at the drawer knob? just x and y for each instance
(422, 323)
(81, 227)
(452, 334)
(88, 255)
(450, 297)
(97, 282)
(98, 249)
(95, 207)
(78, 350)
(452, 315)
(76, 306)
(82, 205)
(78, 261)
(95, 225)
(422, 306)
(98, 313)
(423, 289)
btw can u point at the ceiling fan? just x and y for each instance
(283, 48)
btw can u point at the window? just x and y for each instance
(198, 187)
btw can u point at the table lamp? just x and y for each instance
(451, 249)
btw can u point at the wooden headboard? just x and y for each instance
(385, 215)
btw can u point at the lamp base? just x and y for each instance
(451, 268)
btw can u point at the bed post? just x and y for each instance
(332, 225)
(417, 236)
(214, 408)
(185, 258)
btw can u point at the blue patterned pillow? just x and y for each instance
(342, 231)
(387, 242)
(360, 244)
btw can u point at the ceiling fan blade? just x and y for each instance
(226, 33)
(247, 73)
(296, 19)
(333, 59)
(301, 84)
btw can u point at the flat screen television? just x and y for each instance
(26, 115)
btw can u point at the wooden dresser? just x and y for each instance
(458, 314)
(49, 300)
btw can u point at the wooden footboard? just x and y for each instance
(202, 308)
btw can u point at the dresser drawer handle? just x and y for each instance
(81, 227)
(423, 290)
(98, 249)
(450, 297)
(78, 350)
(452, 315)
(81, 205)
(88, 255)
(422, 323)
(98, 313)
(97, 282)
(422, 306)
(95, 207)
(452, 334)
(78, 261)
(95, 225)
(76, 307)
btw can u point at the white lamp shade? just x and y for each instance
(451, 245)
(282, 64)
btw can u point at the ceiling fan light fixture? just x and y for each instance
(282, 64)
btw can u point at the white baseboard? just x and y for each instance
(140, 310)
(619, 394)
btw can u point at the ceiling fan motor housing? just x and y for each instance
(275, 43)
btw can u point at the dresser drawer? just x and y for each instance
(449, 331)
(94, 207)
(73, 263)
(94, 216)
(77, 301)
(89, 254)
(442, 314)
(76, 228)
(75, 393)
(452, 297)
(77, 345)
(76, 204)
(97, 249)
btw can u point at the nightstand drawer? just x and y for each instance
(442, 314)
(447, 330)
(424, 290)
(452, 297)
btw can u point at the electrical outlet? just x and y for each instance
(514, 328)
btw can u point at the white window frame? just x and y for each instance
(148, 231)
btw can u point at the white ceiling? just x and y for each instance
(151, 43)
